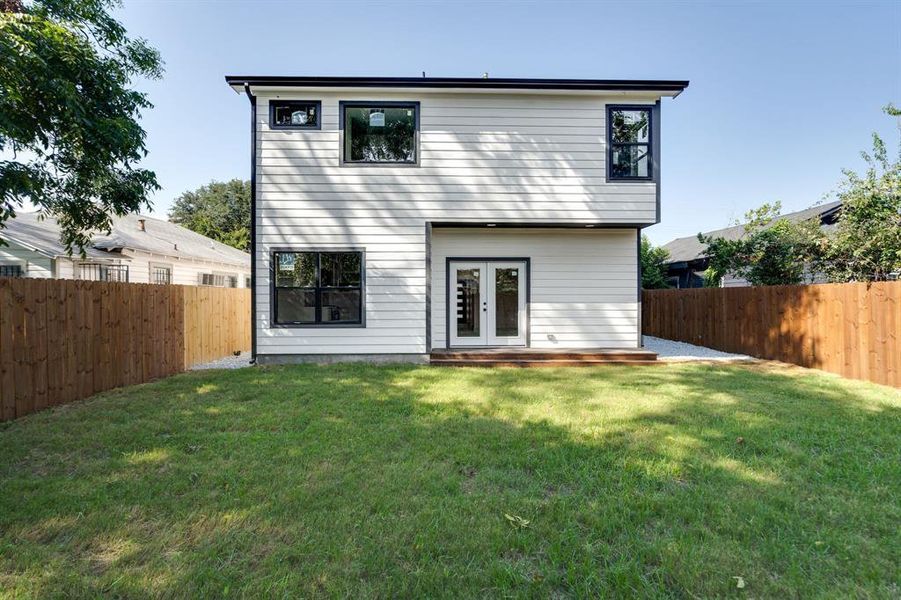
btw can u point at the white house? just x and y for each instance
(138, 249)
(398, 217)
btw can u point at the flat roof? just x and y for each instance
(674, 87)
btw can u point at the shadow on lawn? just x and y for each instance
(396, 481)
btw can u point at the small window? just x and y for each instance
(212, 279)
(380, 133)
(11, 271)
(318, 288)
(104, 272)
(294, 114)
(629, 149)
(161, 274)
(231, 281)
(247, 282)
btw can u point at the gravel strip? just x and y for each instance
(229, 362)
(668, 350)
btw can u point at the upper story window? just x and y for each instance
(294, 114)
(317, 288)
(380, 132)
(629, 144)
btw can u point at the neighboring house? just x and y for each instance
(138, 249)
(394, 216)
(687, 260)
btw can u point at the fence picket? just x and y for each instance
(64, 340)
(853, 329)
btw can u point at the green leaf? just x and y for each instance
(68, 115)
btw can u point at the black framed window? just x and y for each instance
(380, 132)
(11, 271)
(629, 148)
(104, 272)
(317, 288)
(294, 114)
(161, 274)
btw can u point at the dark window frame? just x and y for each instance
(316, 126)
(273, 296)
(344, 104)
(94, 271)
(154, 275)
(13, 270)
(651, 143)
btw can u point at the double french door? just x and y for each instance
(487, 303)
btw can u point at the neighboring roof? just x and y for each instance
(664, 86)
(158, 237)
(170, 239)
(41, 236)
(689, 248)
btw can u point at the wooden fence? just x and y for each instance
(853, 329)
(64, 340)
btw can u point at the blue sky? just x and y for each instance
(782, 97)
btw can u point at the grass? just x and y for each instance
(401, 481)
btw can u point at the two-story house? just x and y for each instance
(396, 217)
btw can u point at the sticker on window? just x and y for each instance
(299, 117)
(377, 119)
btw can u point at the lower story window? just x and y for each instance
(219, 279)
(11, 271)
(161, 274)
(318, 288)
(103, 272)
(213, 279)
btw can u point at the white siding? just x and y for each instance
(65, 268)
(730, 280)
(184, 272)
(584, 286)
(33, 263)
(536, 158)
(483, 157)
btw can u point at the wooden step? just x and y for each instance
(573, 356)
(532, 357)
(535, 363)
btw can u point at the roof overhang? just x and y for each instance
(656, 87)
(26, 245)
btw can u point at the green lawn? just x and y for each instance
(667, 481)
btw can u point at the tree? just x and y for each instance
(772, 251)
(653, 269)
(68, 117)
(218, 210)
(866, 242)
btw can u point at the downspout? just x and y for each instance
(253, 222)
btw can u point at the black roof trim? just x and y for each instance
(651, 85)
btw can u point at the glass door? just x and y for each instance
(468, 304)
(506, 304)
(487, 304)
